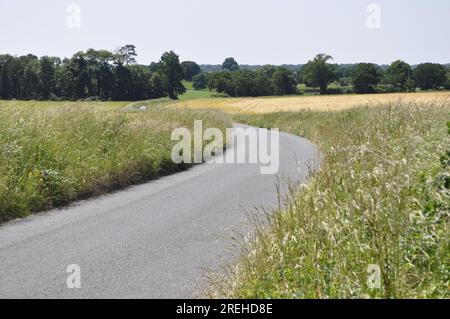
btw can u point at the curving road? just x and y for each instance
(154, 240)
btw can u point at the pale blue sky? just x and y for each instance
(253, 31)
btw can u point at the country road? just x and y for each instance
(153, 240)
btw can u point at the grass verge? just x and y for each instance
(57, 152)
(380, 198)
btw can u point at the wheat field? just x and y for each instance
(262, 105)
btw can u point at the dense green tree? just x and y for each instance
(319, 73)
(284, 81)
(200, 81)
(223, 82)
(364, 77)
(399, 75)
(268, 80)
(447, 85)
(97, 74)
(4, 81)
(263, 82)
(46, 77)
(104, 75)
(430, 76)
(190, 69)
(31, 81)
(155, 66)
(172, 74)
(79, 80)
(157, 85)
(243, 82)
(230, 64)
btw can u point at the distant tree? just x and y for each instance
(430, 76)
(79, 76)
(284, 81)
(230, 64)
(172, 74)
(263, 84)
(155, 66)
(101, 71)
(300, 75)
(46, 77)
(95, 73)
(140, 79)
(223, 82)
(447, 85)
(268, 80)
(122, 83)
(4, 82)
(319, 73)
(399, 75)
(30, 86)
(344, 70)
(364, 77)
(264, 80)
(267, 70)
(127, 54)
(200, 81)
(157, 85)
(190, 69)
(243, 83)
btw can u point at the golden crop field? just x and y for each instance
(261, 105)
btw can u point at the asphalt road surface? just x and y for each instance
(154, 240)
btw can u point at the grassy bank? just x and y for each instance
(380, 198)
(56, 152)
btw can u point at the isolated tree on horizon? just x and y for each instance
(319, 73)
(172, 74)
(230, 64)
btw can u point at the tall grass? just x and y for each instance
(54, 153)
(380, 198)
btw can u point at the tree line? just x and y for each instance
(399, 76)
(320, 73)
(233, 81)
(94, 74)
(105, 75)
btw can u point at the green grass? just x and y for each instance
(57, 152)
(192, 94)
(188, 85)
(380, 197)
(196, 94)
